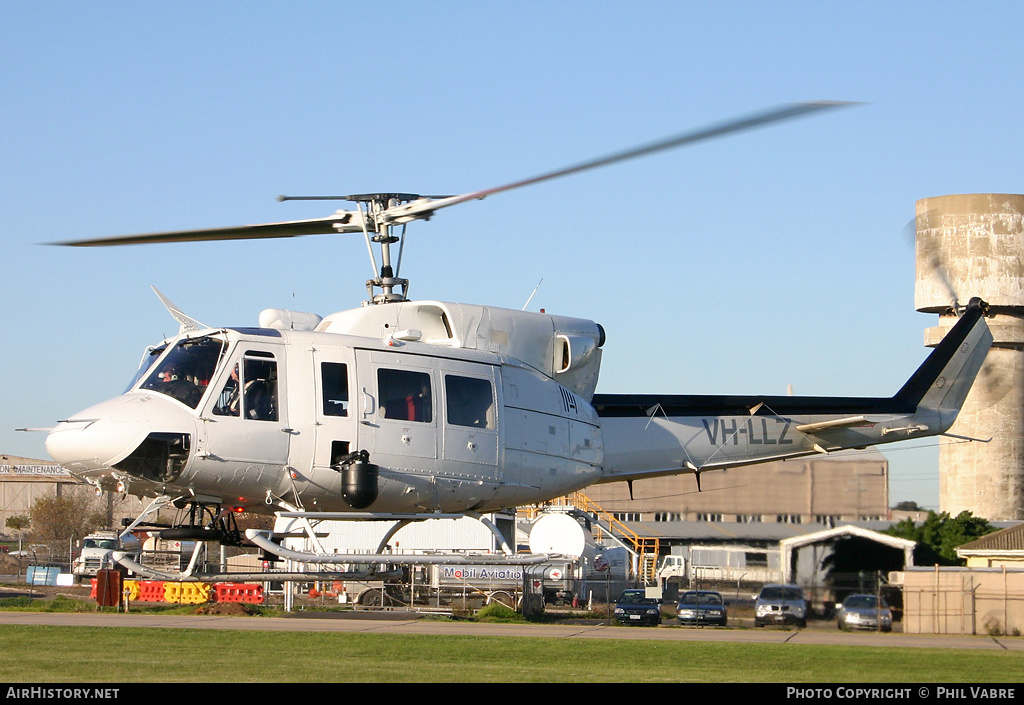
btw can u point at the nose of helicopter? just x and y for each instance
(99, 437)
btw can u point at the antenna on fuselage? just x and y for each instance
(532, 294)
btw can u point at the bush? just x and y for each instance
(497, 612)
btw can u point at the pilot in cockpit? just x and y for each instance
(174, 384)
(257, 391)
(227, 402)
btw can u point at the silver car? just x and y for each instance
(780, 604)
(864, 612)
(702, 607)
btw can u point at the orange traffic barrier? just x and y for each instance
(240, 592)
(151, 591)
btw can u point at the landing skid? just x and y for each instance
(369, 563)
(204, 522)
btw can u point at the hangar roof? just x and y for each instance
(1008, 540)
(732, 531)
(848, 530)
(718, 531)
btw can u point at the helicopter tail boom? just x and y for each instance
(654, 435)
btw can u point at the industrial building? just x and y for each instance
(815, 491)
(23, 481)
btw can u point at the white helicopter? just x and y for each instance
(408, 410)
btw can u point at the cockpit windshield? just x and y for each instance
(148, 358)
(186, 369)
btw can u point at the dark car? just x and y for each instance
(701, 607)
(864, 612)
(780, 604)
(634, 607)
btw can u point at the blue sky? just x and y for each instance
(742, 265)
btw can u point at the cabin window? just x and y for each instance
(404, 395)
(258, 399)
(334, 378)
(185, 371)
(469, 401)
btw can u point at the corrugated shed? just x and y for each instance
(719, 531)
(1011, 539)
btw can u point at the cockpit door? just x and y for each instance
(245, 420)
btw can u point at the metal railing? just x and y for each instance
(645, 548)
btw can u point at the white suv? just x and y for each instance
(780, 604)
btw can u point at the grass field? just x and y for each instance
(35, 654)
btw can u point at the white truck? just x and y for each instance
(97, 552)
(672, 576)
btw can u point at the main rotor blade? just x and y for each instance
(424, 207)
(412, 211)
(340, 222)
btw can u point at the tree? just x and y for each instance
(939, 535)
(18, 523)
(908, 506)
(63, 518)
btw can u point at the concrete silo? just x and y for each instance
(973, 245)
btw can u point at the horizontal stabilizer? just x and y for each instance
(811, 428)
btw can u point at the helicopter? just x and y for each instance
(405, 410)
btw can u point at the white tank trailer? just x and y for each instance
(561, 580)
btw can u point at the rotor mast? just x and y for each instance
(388, 278)
(378, 222)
